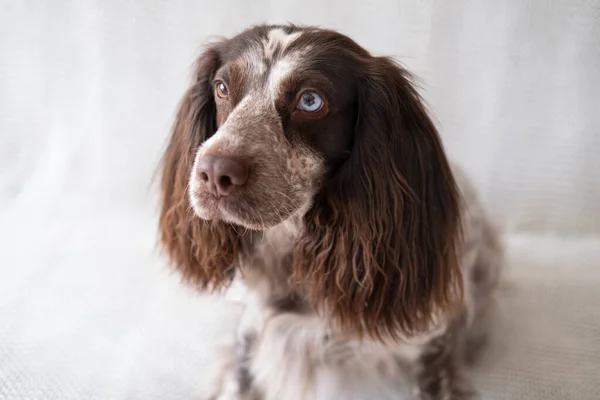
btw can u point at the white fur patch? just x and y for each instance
(278, 38)
(293, 361)
(280, 70)
(257, 58)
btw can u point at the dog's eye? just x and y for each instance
(310, 102)
(221, 90)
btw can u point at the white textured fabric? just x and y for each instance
(87, 95)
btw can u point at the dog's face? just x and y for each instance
(284, 122)
(285, 110)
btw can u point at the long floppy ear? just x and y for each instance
(204, 252)
(379, 251)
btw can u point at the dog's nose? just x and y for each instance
(221, 175)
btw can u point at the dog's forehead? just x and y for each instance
(269, 57)
(276, 43)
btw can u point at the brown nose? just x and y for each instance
(221, 175)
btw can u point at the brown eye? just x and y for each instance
(221, 90)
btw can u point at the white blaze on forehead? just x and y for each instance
(281, 70)
(278, 38)
(259, 55)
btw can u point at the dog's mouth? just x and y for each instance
(241, 210)
(233, 209)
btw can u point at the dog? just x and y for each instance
(310, 170)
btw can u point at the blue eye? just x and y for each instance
(310, 102)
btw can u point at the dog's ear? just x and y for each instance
(203, 251)
(379, 251)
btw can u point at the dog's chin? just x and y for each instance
(229, 210)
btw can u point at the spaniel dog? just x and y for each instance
(310, 170)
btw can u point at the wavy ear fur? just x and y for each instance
(204, 252)
(379, 251)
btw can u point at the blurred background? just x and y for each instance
(88, 91)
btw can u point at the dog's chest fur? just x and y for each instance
(282, 342)
(266, 271)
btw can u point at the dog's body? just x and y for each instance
(286, 351)
(317, 178)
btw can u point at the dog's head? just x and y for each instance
(286, 122)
